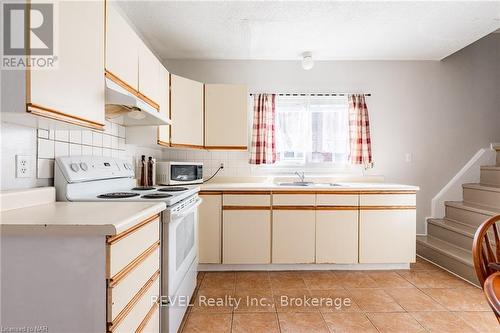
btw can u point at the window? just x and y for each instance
(312, 130)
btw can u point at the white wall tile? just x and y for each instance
(114, 142)
(97, 151)
(43, 133)
(121, 131)
(75, 149)
(121, 144)
(106, 141)
(114, 129)
(75, 136)
(45, 168)
(86, 150)
(87, 138)
(52, 134)
(62, 135)
(106, 152)
(61, 149)
(96, 139)
(45, 148)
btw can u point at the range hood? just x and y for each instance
(127, 109)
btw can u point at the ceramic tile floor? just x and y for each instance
(421, 299)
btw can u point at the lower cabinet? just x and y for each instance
(246, 236)
(387, 236)
(336, 236)
(209, 229)
(293, 236)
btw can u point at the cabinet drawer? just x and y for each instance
(337, 199)
(123, 291)
(387, 200)
(294, 199)
(130, 319)
(150, 323)
(246, 200)
(126, 246)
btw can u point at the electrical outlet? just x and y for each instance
(23, 166)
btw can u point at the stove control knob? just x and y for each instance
(84, 166)
(74, 167)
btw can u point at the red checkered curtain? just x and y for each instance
(359, 132)
(263, 135)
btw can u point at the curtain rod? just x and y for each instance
(314, 94)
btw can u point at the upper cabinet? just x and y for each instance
(186, 112)
(226, 104)
(149, 75)
(122, 48)
(74, 92)
(164, 131)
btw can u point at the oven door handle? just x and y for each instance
(186, 210)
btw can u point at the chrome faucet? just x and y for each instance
(301, 176)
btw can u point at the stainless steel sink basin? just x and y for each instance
(308, 184)
(297, 184)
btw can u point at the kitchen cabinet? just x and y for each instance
(122, 48)
(209, 229)
(336, 235)
(247, 236)
(293, 236)
(73, 92)
(226, 104)
(164, 131)
(186, 112)
(149, 75)
(387, 235)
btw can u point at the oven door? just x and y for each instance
(182, 244)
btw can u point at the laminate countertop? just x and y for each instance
(75, 218)
(342, 187)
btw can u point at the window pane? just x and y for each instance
(312, 129)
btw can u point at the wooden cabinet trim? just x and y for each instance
(130, 305)
(113, 239)
(130, 89)
(209, 193)
(182, 145)
(337, 207)
(226, 147)
(147, 318)
(118, 277)
(243, 192)
(42, 111)
(246, 207)
(386, 207)
(294, 207)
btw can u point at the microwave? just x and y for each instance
(179, 173)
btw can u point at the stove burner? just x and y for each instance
(156, 196)
(143, 188)
(173, 189)
(117, 195)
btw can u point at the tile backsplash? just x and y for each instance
(55, 143)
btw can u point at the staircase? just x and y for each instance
(449, 239)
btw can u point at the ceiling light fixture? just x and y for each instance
(307, 61)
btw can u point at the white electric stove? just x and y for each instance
(96, 178)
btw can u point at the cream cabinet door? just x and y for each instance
(336, 236)
(209, 229)
(164, 131)
(122, 47)
(149, 74)
(186, 110)
(293, 236)
(246, 237)
(387, 236)
(226, 104)
(74, 91)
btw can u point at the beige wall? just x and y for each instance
(441, 112)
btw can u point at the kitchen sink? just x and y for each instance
(297, 184)
(305, 184)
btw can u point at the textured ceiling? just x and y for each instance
(281, 30)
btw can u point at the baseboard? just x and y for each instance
(300, 267)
